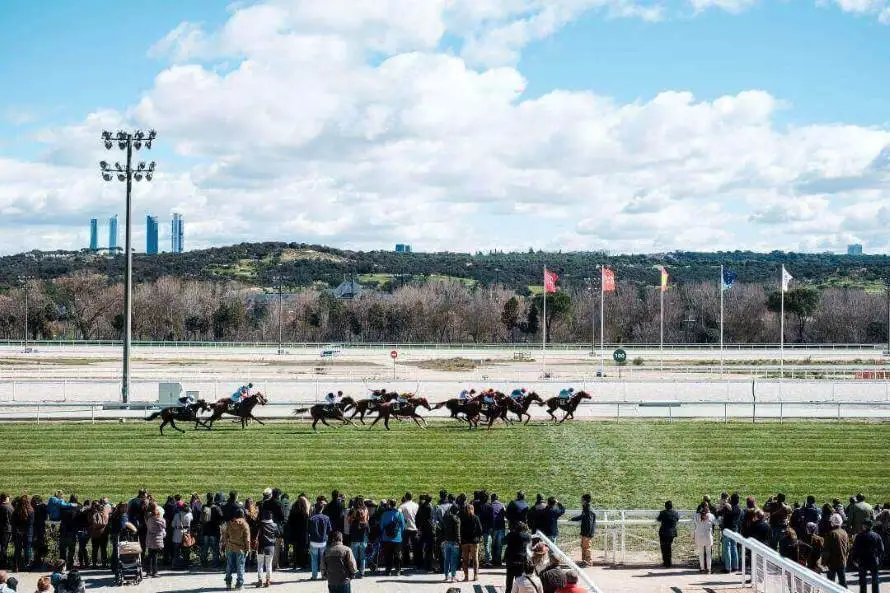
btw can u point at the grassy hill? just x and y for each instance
(302, 265)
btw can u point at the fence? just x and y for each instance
(565, 560)
(770, 573)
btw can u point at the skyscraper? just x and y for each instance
(854, 249)
(94, 234)
(112, 233)
(176, 233)
(151, 235)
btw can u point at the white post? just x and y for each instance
(720, 285)
(661, 343)
(602, 322)
(782, 329)
(544, 340)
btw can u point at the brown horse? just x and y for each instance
(187, 413)
(408, 410)
(324, 412)
(244, 410)
(520, 408)
(569, 407)
(364, 407)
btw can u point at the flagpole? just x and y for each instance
(544, 344)
(662, 328)
(782, 329)
(602, 321)
(722, 290)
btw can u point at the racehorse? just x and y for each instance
(244, 409)
(386, 411)
(456, 407)
(366, 406)
(325, 412)
(187, 413)
(568, 407)
(520, 408)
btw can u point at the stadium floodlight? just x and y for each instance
(128, 141)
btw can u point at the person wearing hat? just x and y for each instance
(240, 394)
(566, 394)
(517, 394)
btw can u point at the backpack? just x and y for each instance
(98, 522)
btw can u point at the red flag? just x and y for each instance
(608, 280)
(550, 279)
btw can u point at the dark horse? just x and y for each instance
(568, 407)
(386, 411)
(244, 410)
(458, 406)
(475, 410)
(364, 407)
(520, 408)
(187, 413)
(324, 412)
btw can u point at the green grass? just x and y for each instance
(634, 464)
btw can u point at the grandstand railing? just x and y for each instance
(565, 560)
(770, 573)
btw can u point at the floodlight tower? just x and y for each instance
(128, 141)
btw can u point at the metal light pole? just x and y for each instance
(128, 141)
(24, 280)
(278, 280)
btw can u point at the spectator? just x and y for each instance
(156, 533)
(536, 516)
(516, 557)
(232, 505)
(267, 534)
(319, 531)
(392, 525)
(22, 530)
(182, 536)
(117, 524)
(451, 538)
(4, 577)
(335, 511)
(749, 516)
(470, 536)
(549, 524)
(498, 514)
(667, 531)
(867, 552)
(298, 531)
(517, 511)
(731, 518)
(38, 539)
(824, 523)
(211, 521)
(860, 511)
(572, 585)
(789, 546)
(68, 530)
(82, 527)
(835, 551)
(705, 504)
(338, 565)
(527, 581)
(98, 531)
(409, 537)
(271, 505)
(815, 545)
(252, 516)
(6, 512)
(236, 542)
(703, 536)
(552, 577)
(483, 511)
(426, 533)
(779, 514)
(359, 528)
(587, 518)
(811, 514)
(43, 584)
(760, 529)
(11, 584)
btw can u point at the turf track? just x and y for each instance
(628, 465)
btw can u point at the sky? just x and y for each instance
(453, 125)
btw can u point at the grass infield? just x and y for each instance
(627, 465)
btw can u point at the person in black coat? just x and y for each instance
(667, 531)
(587, 518)
(335, 511)
(298, 531)
(868, 552)
(517, 512)
(516, 555)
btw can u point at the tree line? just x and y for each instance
(88, 306)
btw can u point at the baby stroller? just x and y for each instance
(373, 557)
(129, 564)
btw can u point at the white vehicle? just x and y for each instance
(331, 350)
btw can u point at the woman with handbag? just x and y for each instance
(183, 540)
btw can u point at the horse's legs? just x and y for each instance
(314, 423)
(325, 422)
(376, 420)
(162, 426)
(252, 417)
(550, 411)
(173, 425)
(527, 419)
(386, 421)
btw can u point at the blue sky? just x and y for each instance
(577, 114)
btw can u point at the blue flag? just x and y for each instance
(728, 278)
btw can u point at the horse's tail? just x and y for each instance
(154, 416)
(298, 411)
(439, 405)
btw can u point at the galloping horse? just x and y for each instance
(244, 410)
(408, 410)
(456, 407)
(568, 407)
(520, 408)
(366, 406)
(188, 413)
(324, 412)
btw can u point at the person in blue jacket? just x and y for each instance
(392, 526)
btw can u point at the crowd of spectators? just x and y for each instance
(828, 540)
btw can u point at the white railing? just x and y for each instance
(770, 573)
(565, 560)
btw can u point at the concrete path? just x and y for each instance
(610, 580)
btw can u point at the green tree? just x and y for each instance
(559, 305)
(530, 325)
(801, 302)
(510, 315)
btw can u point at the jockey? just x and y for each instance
(377, 395)
(332, 400)
(186, 400)
(517, 394)
(464, 395)
(238, 396)
(488, 398)
(566, 394)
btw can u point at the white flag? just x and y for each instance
(786, 279)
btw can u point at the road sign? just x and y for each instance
(394, 355)
(619, 356)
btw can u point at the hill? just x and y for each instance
(303, 265)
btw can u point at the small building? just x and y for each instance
(348, 290)
(403, 248)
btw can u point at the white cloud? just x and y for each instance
(350, 124)
(877, 8)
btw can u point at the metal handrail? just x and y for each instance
(592, 586)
